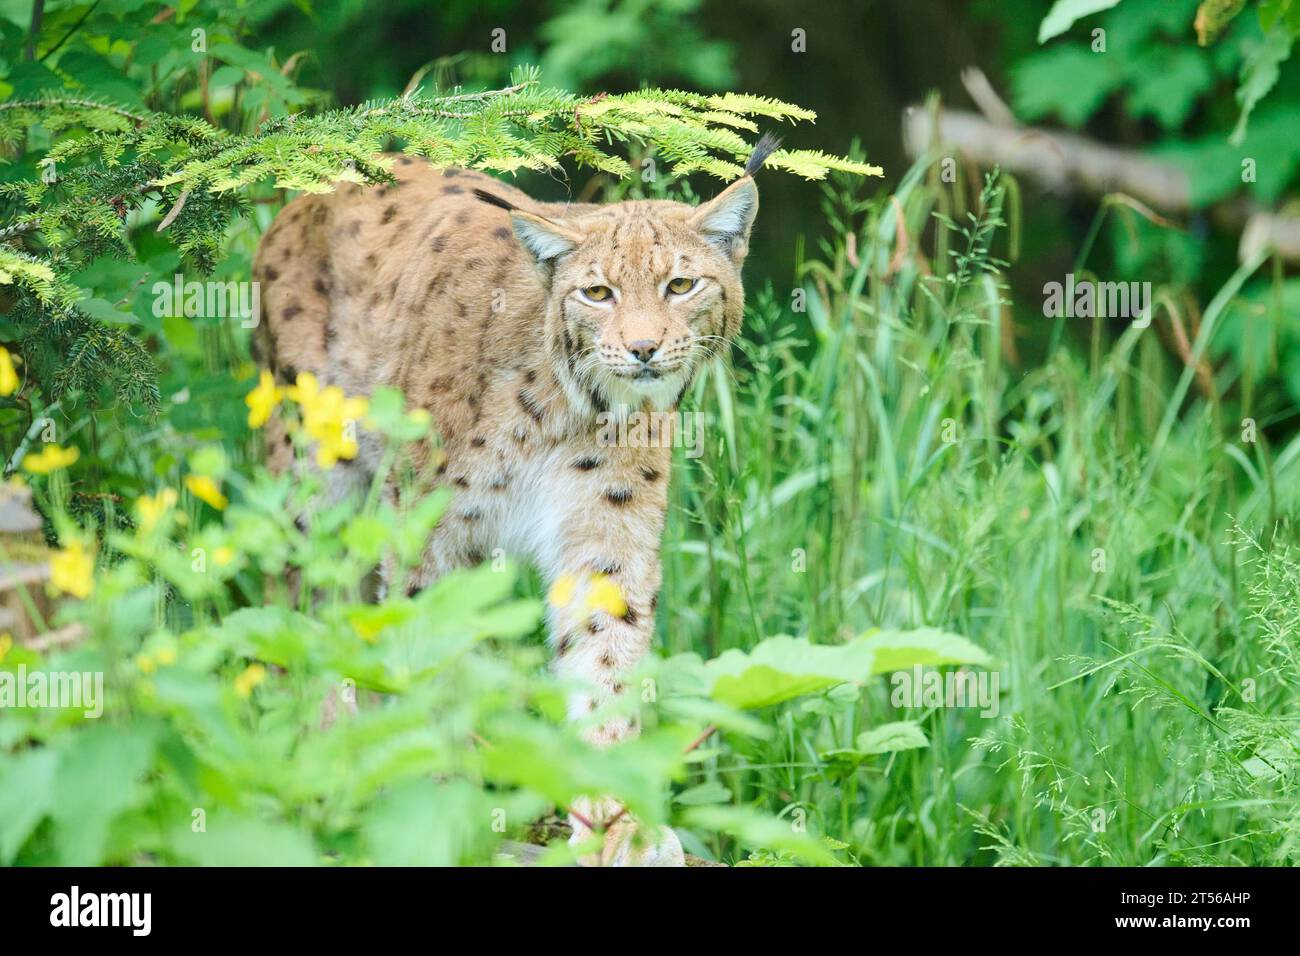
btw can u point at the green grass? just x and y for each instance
(1123, 736)
(872, 459)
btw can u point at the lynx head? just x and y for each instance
(641, 293)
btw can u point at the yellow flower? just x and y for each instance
(50, 458)
(329, 417)
(72, 571)
(146, 663)
(204, 488)
(223, 556)
(261, 401)
(8, 377)
(253, 675)
(152, 508)
(6, 642)
(562, 590)
(166, 656)
(304, 390)
(604, 595)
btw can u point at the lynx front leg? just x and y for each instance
(604, 599)
(602, 622)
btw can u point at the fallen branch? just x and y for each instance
(1067, 162)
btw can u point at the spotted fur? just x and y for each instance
(468, 296)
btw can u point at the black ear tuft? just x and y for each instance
(765, 147)
(494, 200)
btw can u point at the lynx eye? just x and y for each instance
(681, 285)
(598, 293)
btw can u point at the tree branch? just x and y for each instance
(1067, 162)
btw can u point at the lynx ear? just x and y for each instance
(726, 219)
(545, 239)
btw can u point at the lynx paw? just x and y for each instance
(625, 841)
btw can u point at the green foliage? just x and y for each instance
(934, 487)
(1141, 47)
(126, 123)
(593, 38)
(882, 473)
(210, 751)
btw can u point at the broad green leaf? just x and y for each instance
(783, 668)
(98, 777)
(26, 793)
(1169, 90)
(926, 646)
(1066, 80)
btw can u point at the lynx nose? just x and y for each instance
(643, 349)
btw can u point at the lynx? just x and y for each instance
(521, 327)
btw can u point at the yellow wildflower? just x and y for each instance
(50, 458)
(6, 642)
(151, 508)
(562, 590)
(146, 663)
(72, 570)
(205, 489)
(8, 377)
(253, 675)
(166, 656)
(223, 556)
(329, 417)
(305, 390)
(261, 401)
(604, 595)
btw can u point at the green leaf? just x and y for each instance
(26, 794)
(783, 668)
(1068, 80)
(900, 650)
(274, 634)
(1064, 12)
(243, 841)
(1259, 74)
(98, 777)
(888, 738)
(555, 764)
(425, 823)
(183, 335)
(1169, 89)
(705, 793)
